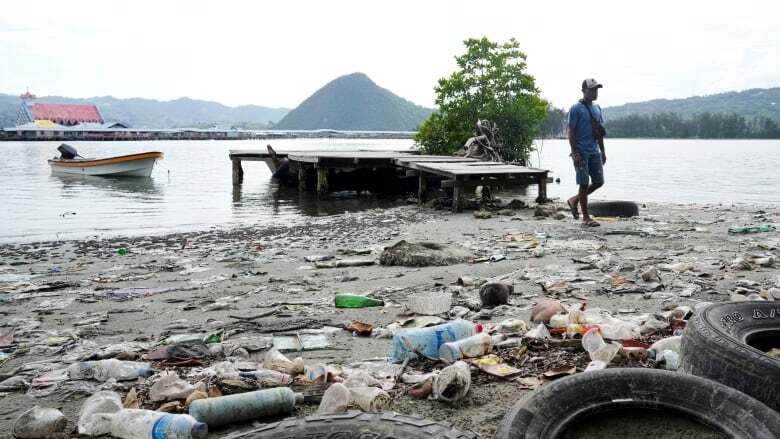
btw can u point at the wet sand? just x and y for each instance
(258, 268)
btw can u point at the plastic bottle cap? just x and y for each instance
(199, 430)
(478, 327)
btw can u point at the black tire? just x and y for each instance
(358, 425)
(622, 209)
(715, 346)
(554, 408)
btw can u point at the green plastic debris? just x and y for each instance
(121, 251)
(356, 301)
(752, 229)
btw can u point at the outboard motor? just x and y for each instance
(67, 152)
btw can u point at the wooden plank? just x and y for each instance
(462, 169)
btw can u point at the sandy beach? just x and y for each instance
(73, 297)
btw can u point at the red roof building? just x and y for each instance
(63, 114)
(66, 114)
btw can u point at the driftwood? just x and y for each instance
(486, 144)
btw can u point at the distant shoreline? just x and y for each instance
(130, 134)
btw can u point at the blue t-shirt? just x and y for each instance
(579, 119)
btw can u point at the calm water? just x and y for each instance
(191, 188)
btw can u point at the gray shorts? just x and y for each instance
(591, 169)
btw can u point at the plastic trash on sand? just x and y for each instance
(425, 342)
(452, 383)
(241, 407)
(658, 348)
(599, 350)
(169, 387)
(302, 342)
(540, 331)
(277, 361)
(40, 422)
(335, 400)
(103, 401)
(470, 347)
(369, 399)
(145, 424)
(429, 303)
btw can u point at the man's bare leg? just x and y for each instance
(574, 201)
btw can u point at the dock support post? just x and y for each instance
(322, 182)
(423, 187)
(301, 178)
(456, 193)
(238, 172)
(542, 181)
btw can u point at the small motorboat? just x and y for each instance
(133, 165)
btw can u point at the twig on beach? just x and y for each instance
(258, 316)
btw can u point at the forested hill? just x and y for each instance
(149, 113)
(753, 103)
(354, 102)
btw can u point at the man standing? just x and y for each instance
(586, 138)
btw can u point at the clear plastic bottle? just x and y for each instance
(247, 406)
(146, 424)
(103, 370)
(103, 401)
(425, 342)
(469, 347)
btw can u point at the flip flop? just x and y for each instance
(573, 207)
(590, 223)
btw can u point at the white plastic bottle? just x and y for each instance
(475, 346)
(146, 424)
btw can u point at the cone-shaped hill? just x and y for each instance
(354, 102)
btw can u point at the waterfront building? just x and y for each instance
(59, 114)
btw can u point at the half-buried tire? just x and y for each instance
(618, 397)
(727, 342)
(358, 425)
(622, 209)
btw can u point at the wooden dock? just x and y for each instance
(459, 173)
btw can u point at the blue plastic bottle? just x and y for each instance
(425, 342)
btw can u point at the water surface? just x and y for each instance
(192, 188)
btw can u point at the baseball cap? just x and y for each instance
(591, 83)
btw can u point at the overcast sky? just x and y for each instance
(278, 53)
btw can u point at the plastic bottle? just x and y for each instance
(242, 407)
(103, 401)
(40, 422)
(425, 342)
(103, 370)
(264, 377)
(356, 301)
(335, 400)
(671, 359)
(668, 343)
(469, 347)
(146, 424)
(597, 349)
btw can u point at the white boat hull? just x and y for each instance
(134, 165)
(137, 168)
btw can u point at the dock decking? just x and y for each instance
(460, 173)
